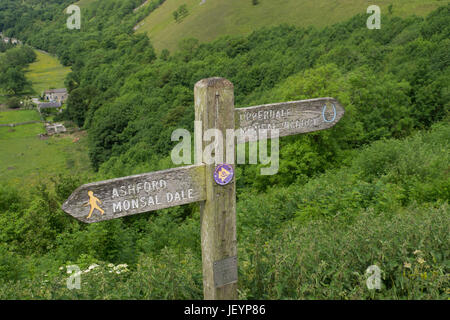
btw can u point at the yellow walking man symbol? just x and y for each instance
(93, 203)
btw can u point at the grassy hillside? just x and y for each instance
(216, 17)
(27, 160)
(18, 116)
(46, 72)
(84, 3)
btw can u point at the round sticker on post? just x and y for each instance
(223, 174)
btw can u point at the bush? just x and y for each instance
(13, 103)
(328, 259)
(180, 13)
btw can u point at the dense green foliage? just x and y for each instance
(5, 46)
(123, 94)
(310, 241)
(12, 73)
(371, 191)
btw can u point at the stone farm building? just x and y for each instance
(53, 104)
(59, 95)
(55, 128)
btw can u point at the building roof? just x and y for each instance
(49, 105)
(62, 90)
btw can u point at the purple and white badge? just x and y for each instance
(223, 174)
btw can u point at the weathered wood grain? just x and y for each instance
(214, 107)
(136, 194)
(289, 118)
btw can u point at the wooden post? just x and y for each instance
(211, 184)
(214, 107)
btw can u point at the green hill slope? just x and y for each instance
(216, 18)
(46, 72)
(84, 3)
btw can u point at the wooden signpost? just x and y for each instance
(212, 185)
(290, 118)
(121, 197)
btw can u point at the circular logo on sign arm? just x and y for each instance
(223, 174)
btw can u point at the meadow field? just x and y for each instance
(46, 73)
(216, 18)
(28, 160)
(16, 116)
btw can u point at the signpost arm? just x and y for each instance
(214, 107)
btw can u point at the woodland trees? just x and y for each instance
(372, 169)
(12, 74)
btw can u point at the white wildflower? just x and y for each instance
(93, 266)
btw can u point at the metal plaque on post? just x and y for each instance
(225, 271)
